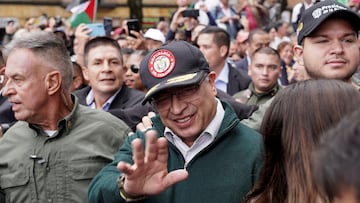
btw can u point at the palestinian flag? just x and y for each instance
(83, 12)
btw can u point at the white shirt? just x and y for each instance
(90, 100)
(222, 79)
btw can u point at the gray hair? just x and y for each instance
(49, 49)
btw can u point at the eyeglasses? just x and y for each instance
(134, 68)
(163, 100)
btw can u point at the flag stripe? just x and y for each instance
(84, 13)
(91, 10)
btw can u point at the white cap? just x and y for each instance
(155, 34)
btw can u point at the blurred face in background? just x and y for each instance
(132, 77)
(258, 41)
(214, 54)
(181, 3)
(287, 54)
(283, 30)
(299, 72)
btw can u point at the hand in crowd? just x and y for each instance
(203, 7)
(137, 43)
(236, 17)
(149, 175)
(10, 28)
(82, 35)
(177, 19)
(146, 122)
(225, 19)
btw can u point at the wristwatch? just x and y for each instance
(124, 195)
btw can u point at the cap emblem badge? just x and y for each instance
(161, 63)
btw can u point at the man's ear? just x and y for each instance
(85, 73)
(298, 51)
(224, 51)
(212, 77)
(53, 82)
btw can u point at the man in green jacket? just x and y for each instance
(197, 151)
(57, 146)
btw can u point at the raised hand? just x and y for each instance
(149, 174)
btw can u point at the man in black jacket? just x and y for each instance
(214, 43)
(104, 70)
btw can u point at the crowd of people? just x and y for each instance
(234, 103)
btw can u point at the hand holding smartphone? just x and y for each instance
(192, 13)
(97, 29)
(133, 24)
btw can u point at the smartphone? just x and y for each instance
(192, 13)
(97, 29)
(107, 25)
(133, 24)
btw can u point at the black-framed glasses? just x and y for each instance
(163, 100)
(134, 68)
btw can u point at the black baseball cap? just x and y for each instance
(315, 15)
(175, 64)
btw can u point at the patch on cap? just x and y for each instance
(161, 63)
(318, 13)
(325, 10)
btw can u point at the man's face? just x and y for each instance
(332, 51)
(152, 44)
(214, 55)
(283, 29)
(190, 111)
(242, 47)
(264, 71)
(26, 87)
(104, 70)
(133, 79)
(258, 41)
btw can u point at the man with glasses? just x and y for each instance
(197, 150)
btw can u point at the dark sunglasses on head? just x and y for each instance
(134, 68)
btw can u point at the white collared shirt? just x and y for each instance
(90, 100)
(222, 79)
(205, 138)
